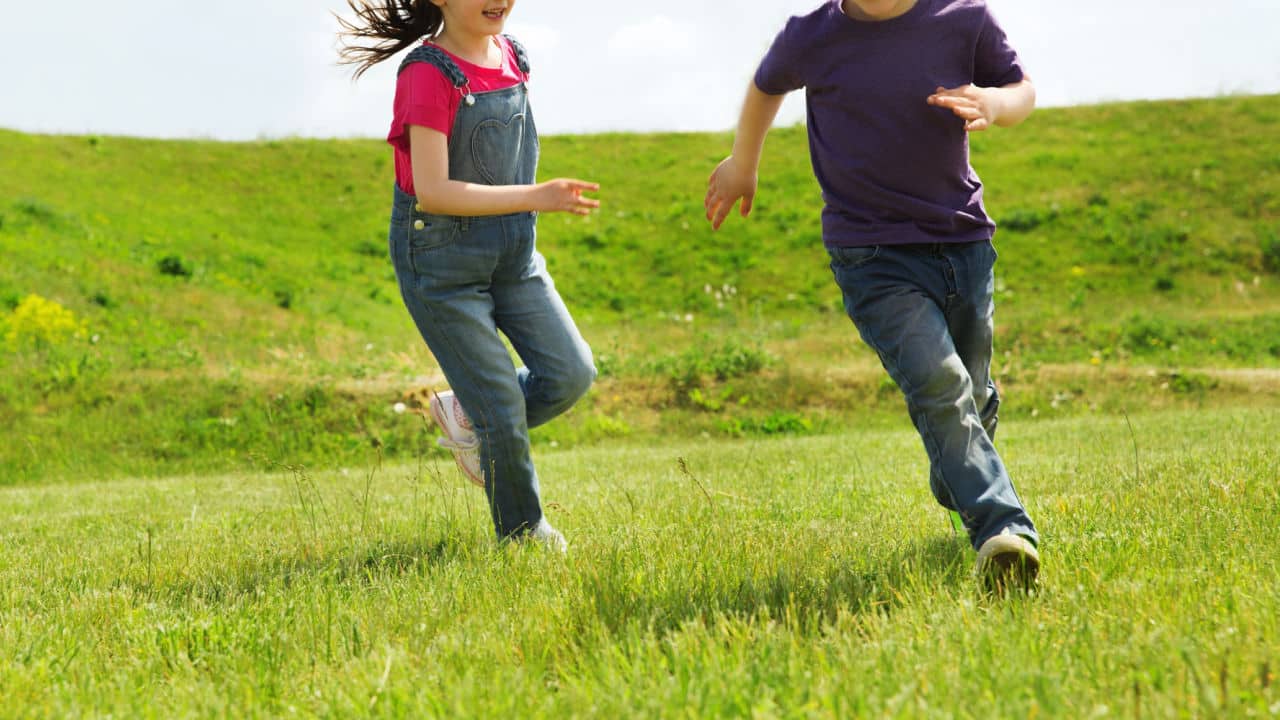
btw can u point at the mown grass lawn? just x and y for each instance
(786, 577)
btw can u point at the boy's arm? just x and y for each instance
(429, 153)
(981, 107)
(735, 177)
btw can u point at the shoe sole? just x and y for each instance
(1012, 563)
(437, 414)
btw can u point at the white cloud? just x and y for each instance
(538, 38)
(658, 37)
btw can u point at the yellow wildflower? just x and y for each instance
(41, 321)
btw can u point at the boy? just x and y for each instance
(892, 89)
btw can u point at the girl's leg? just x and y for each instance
(445, 283)
(558, 364)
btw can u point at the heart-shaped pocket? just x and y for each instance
(496, 149)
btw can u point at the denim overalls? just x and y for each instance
(464, 279)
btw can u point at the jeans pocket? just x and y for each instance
(431, 231)
(852, 257)
(427, 235)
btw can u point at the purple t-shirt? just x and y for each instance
(893, 169)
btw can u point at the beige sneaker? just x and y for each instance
(458, 435)
(1006, 561)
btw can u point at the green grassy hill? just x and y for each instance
(174, 306)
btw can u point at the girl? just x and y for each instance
(462, 239)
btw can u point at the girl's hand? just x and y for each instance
(977, 107)
(729, 183)
(565, 195)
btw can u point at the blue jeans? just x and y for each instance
(927, 312)
(464, 280)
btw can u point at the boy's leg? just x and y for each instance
(970, 315)
(445, 286)
(970, 318)
(897, 297)
(558, 365)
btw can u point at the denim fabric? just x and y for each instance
(465, 280)
(927, 312)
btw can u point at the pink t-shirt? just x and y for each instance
(424, 96)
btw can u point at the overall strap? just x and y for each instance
(522, 57)
(433, 55)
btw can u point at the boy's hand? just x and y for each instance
(970, 103)
(565, 195)
(727, 184)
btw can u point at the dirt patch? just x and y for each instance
(1258, 379)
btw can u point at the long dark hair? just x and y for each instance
(393, 25)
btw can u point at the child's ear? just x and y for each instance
(439, 3)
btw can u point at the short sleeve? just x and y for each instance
(514, 53)
(995, 62)
(779, 71)
(424, 96)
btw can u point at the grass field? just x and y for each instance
(210, 505)
(790, 577)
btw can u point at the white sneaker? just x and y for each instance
(1007, 560)
(548, 537)
(458, 435)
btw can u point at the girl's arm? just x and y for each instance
(429, 153)
(980, 107)
(736, 176)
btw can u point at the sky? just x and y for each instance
(251, 69)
